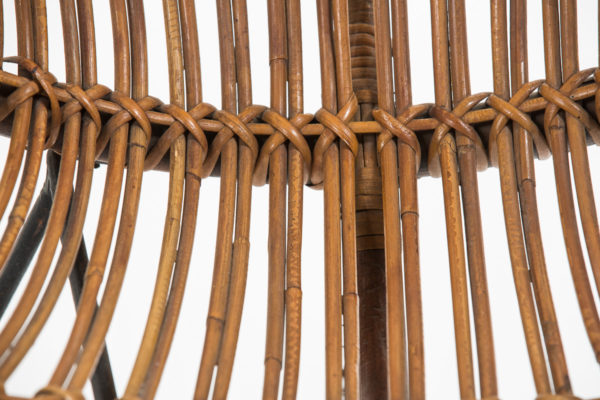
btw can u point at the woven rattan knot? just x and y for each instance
(559, 99)
(286, 130)
(336, 125)
(87, 103)
(513, 111)
(44, 80)
(233, 125)
(398, 127)
(510, 110)
(182, 121)
(83, 100)
(130, 110)
(24, 92)
(58, 392)
(453, 120)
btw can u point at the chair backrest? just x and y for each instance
(365, 147)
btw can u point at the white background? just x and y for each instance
(514, 374)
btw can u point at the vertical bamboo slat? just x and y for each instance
(467, 159)
(450, 184)
(513, 224)
(222, 263)
(409, 210)
(277, 204)
(175, 195)
(194, 159)
(350, 301)
(527, 196)
(331, 200)
(557, 140)
(296, 179)
(577, 142)
(396, 330)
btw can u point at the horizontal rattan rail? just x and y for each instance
(414, 126)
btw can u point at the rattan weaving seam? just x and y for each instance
(205, 117)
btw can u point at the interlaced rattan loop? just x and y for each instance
(453, 120)
(81, 97)
(510, 110)
(286, 130)
(238, 126)
(84, 100)
(130, 110)
(134, 109)
(397, 127)
(336, 125)
(559, 99)
(183, 121)
(17, 97)
(58, 392)
(45, 80)
(234, 125)
(184, 118)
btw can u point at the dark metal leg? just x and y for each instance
(25, 247)
(30, 236)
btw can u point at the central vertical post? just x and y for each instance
(369, 214)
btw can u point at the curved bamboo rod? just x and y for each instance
(62, 197)
(452, 202)
(176, 182)
(108, 212)
(241, 243)
(94, 341)
(93, 345)
(20, 128)
(227, 296)
(195, 156)
(72, 236)
(529, 211)
(577, 144)
(558, 143)
(466, 152)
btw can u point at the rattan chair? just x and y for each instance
(365, 149)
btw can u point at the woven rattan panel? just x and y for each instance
(365, 148)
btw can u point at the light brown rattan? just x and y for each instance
(365, 148)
